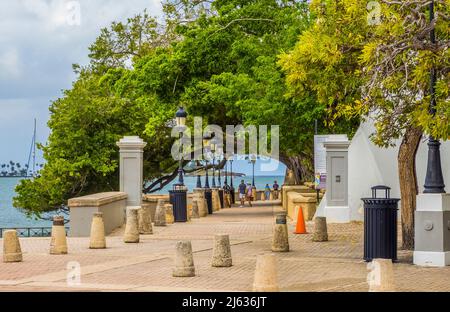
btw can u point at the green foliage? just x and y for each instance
(380, 71)
(218, 60)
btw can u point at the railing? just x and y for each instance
(31, 231)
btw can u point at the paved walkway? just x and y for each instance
(336, 265)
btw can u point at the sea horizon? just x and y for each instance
(11, 217)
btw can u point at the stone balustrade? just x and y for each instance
(82, 209)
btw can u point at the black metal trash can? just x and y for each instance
(178, 198)
(221, 197)
(208, 198)
(380, 225)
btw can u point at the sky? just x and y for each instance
(39, 42)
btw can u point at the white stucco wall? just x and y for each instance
(370, 165)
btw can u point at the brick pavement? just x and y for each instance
(336, 265)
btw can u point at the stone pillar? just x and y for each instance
(131, 168)
(337, 209)
(432, 230)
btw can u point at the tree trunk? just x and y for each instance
(408, 183)
(298, 167)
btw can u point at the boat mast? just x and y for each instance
(34, 148)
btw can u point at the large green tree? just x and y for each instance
(378, 68)
(217, 60)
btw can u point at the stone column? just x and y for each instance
(131, 168)
(337, 209)
(432, 230)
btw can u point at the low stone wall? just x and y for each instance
(111, 204)
(293, 188)
(152, 200)
(296, 201)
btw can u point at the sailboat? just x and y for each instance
(32, 155)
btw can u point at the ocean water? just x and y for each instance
(11, 217)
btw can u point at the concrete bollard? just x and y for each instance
(222, 251)
(170, 218)
(160, 214)
(184, 260)
(58, 243)
(97, 239)
(320, 230)
(280, 240)
(381, 276)
(266, 279)
(145, 220)
(132, 226)
(215, 200)
(11, 247)
(202, 207)
(195, 213)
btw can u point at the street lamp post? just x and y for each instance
(199, 181)
(208, 194)
(434, 180)
(219, 159)
(180, 117)
(206, 142)
(213, 151)
(252, 160)
(178, 195)
(231, 181)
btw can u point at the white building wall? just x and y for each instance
(370, 165)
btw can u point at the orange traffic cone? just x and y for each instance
(300, 227)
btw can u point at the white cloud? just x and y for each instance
(37, 49)
(10, 66)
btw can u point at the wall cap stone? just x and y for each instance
(96, 200)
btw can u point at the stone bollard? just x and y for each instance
(184, 260)
(280, 241)
(160, 214)
(266, 279)
(97, 239)
(195, 213)
(215, 200)
(202, 205)
(320, 230)
(58, 243)
(145, 220)
(170, 219)
(132, 226)
(11, 247)
(222, 251)
(381, 276)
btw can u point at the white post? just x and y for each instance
(337, 209)
(131, 168)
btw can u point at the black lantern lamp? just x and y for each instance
(206, 146)
(252, 159)
(213, 151)
(180, 118)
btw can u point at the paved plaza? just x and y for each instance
(335, 265)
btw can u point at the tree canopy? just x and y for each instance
(218, 60)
